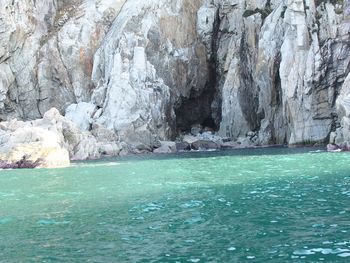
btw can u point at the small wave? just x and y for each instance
(323, 251)
(317, 151)
(95, 164)
(52, 222)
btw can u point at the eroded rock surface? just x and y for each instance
(51, 141)
(46, 53)
(140, 72)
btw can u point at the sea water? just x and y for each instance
(263, 205)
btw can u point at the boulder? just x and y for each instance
(183, 146)
(52, 142)
(166, 147)
(333, 148)
(189, 139)
(205, 145)
(33, 146)
(196, 129)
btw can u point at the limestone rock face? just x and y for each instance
(46, 53)
(282, 65)
(135, 73)
(151, 63)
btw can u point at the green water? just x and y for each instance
(275, 205)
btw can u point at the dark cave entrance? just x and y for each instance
(203, 106)
(197, 109)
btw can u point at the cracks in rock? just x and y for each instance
(276, 98)
(203, 105)
(247, 93)
(63, 64)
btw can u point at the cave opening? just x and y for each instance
(203, 106)
(196, 110)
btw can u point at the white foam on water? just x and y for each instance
(250, 257)
(323, 251)
(304, 252)
(344, 255)
(152, 207)
(52, 222)
(342, 243)
(192, 203)
(95, 164)
(231, 249)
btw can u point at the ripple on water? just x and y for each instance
(194, 220)
(5, 220)
(152, 207)
(344, 255)
(52, 222)
(2, 194)
(342, 252)
(192, 204)
(197, 217)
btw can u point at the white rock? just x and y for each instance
(81, 114)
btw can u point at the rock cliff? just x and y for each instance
(257, 71)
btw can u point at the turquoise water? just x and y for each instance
(265, 205)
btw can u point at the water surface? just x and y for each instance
(264, 205)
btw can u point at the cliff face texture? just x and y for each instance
(262, 71)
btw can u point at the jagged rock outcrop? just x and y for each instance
(286, 63)
(46, 53)
(140, 72)
(151, 72)
(52, 141)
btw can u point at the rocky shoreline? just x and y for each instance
(128, 76)
(54, 141)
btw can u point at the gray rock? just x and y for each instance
(333, 148)
(166, 147)
(204, 145)
(196, 129)
(183, 146)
